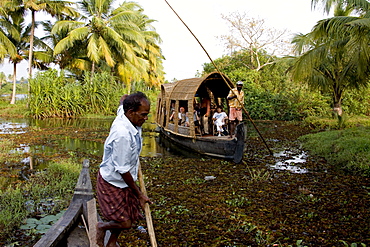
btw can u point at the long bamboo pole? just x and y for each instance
(148, 215)
(245, 110)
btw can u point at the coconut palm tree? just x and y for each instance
(355, 21)
(22, 45)
(112, 38)
(52, 7)
(152, 51)
(6, 46)
(331, 56)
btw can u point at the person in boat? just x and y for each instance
(197, 118)
(205, 112)
(172, 112)
(119, 198)
(236, 102)
(219, 118)
(183, 118)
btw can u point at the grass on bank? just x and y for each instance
(321, 123)
(347, 149)
(17, 110)
(45, 193)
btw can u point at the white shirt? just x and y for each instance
(219, 117)
(121, 151)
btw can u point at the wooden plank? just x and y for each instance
(62, 227)
(92, 221)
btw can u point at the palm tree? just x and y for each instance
(20, 40)
(329, 58)
(356, 26)
(52, 7)
(152, 52)
(111, 38)
(6, 46)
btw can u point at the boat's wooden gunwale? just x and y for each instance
(77, 208)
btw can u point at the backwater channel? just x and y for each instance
(153, 145)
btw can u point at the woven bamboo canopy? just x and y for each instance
(197, 87)
(183, 94)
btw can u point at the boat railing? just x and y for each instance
(182, 130)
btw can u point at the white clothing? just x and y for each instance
(121, 151)
(219, 122)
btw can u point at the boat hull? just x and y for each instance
(65, 232)
(212, 146)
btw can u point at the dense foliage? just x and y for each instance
(94, 36)
(270, 94)
(44, 193)
(54, 94)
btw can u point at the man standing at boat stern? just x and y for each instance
(236, 102)
(119, 197)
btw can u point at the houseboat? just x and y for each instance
(182, 105)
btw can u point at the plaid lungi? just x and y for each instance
(117, 204)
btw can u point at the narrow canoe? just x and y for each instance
(71, 229)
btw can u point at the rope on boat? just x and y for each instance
(245, 110)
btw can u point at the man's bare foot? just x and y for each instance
(100, 234)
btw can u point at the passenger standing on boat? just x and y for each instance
(119, 197)
(236, 102)
(172, 112)
(205, 112)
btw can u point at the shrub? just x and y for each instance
(54, 184)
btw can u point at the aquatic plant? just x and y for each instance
(45, 193)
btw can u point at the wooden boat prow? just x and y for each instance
(65, 231)
(184, 93)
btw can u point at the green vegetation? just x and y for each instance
(46, 192)
(7, 88)
(346, 121)
(8, 110)
(93, 36)
(271, 95)
(347, 149)
(54, 95)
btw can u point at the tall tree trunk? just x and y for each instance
(30, 55)
(337, 100)
(92, 72)
(12, 102)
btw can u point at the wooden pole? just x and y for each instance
(245, 110)
(148, 216)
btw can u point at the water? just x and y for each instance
(38, 153)
(153, 145)
(290, 164)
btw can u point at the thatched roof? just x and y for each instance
(188, 88)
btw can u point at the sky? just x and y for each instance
(183, 55)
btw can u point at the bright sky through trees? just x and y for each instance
(183, 54)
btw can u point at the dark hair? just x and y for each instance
(133, 101)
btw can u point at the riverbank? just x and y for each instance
(255, 203)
